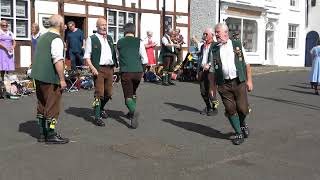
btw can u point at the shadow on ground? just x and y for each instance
(87, 114)
(30, 127)
(181, 107)
(199, 128)
(308, 106)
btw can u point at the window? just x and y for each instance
(16, 13)
(313, 3)
(116, 21)
(293, 3)
(247, 30)
(167, 23)
(292, 37)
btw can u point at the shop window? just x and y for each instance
(292, 37)
(246, 30)
(116, 22)
(18, 20)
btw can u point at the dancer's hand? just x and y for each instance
(94, 71)
(63, 84)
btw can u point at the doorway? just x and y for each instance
(311, 41)
(80, 24)
(269, 44)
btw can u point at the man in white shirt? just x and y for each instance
(207, 86)
(233, 77)
(100, 55)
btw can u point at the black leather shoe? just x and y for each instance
(99, 122)
(41, 138)
(245, 131)
(204, 111)
(133, 117)
(238, 139)
(103, 114)
(165, 84)
(212, 112)
(171, 83)
(56, 139)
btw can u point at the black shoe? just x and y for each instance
(171, 83)
(41, 138)
(133, 117)
(56, 139)
(103, 114)
(212, 112)
(204, 111)
(99, 122)
(238, 139)
(165, 84)
(245, 131)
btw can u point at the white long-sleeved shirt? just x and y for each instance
(227, 58)
(106, 54)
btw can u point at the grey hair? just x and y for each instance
(55, 20)
(223, 26)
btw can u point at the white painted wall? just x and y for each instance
(128, 3)
(75, 8)
(93, 10)
(314, 14)
(151, 22)
(169, 5)
(25, 56)
(44, 9)
(149, 4)
(92, 25)
(182, 6)
(291, 15)
(115, 2)
(182, 19)
(98, 1)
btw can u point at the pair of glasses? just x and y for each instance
(4, 25)
(205, 34)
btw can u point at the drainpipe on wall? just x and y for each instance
(163, 17)
(219, 6)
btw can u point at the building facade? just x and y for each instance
(145, 14)
(312, 28)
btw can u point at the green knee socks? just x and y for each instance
(131, 104)
(235, 123)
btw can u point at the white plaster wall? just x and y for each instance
(182, 19)
(92, 25)
(182, 6)
(128, 3)
(169, 5)
(25, 58)
(151, 22)
(291, 15)
(98, 1)
(93, 10)
(115, 2)
(44, 9)
(74, 8)
(149, 4)
(314, 14)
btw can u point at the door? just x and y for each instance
(269, 43)
(311, 41)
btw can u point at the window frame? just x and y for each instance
(116, 22)
(292, 32)
(15, 19)
(242, 31)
